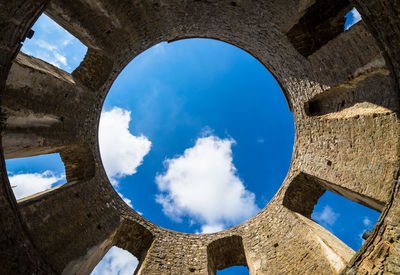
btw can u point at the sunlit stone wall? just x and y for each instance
(342, 87)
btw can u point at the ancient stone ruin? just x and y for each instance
(342, 87)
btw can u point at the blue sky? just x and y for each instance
(205, 140)
(194, 98)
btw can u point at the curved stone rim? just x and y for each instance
(276, 80)
(314, 82)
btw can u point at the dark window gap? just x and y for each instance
(322, 22)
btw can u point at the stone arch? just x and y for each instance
(130, 236)
(331, 144)
(224, 253)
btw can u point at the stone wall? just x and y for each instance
(342, 87)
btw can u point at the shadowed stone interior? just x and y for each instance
(224, 253)
(342, 87)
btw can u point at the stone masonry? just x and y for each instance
(342, 87)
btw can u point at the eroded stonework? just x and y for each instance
(342, 87)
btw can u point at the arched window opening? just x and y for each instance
(329, 205)
(225, 253)
(349, 221)
(117, 261)
(53, 44)
(33, 175)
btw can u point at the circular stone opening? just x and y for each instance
(196, 135)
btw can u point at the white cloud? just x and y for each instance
(67, 41)
(46, 46)
(353, 17)
(203, 185)
(51, 53)
(60, 58)
(121, 152)
(366, 221)
(327, 216)
(116, 262)
(25, 185)
(212, 228)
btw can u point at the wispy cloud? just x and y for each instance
(67, 41)
(45, 45)
(54, 45)
(116, 261)
(203, 185)
(48, 52)
(367, 221)
(27, 184)
(60, 59)
(260, 140)
(326, 217)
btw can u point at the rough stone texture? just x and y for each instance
(225, 252)
(18, 254)
(322, 22)
(343, 92)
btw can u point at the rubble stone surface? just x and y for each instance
(342, 87)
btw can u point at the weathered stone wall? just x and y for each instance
(343, 92)
(18, 254)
